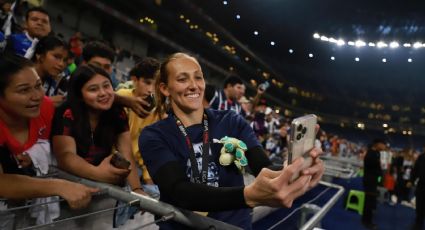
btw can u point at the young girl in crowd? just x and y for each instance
(172, 146)
(25, 121)
(50, 61)
(87, 128)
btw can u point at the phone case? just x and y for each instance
(151, 101)
(302, 138)
(119, 161)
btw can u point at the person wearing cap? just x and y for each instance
(371, 179)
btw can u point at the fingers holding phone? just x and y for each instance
(111, 174)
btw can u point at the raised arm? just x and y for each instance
(134, 103)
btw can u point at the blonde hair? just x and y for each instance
(162, 106)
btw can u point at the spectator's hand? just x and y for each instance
(57, 99)
(77, 195)
(24, 160)
(260, 91)
(274, 188)
(106, 172)
(136, 104)
(409, 184)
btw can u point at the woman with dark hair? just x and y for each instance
(88, 127)
(50, 58)
(25, 121)
(192, 172)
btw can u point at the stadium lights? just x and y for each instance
(340, 42)
(290, 51)
(362, 43)
(255, 32)
(357, 59)
(417, 45)
(384, 60)
(409, 60)
(394, 45)
(381, 44)
(324, 38)
(333, 58)
(310, 55)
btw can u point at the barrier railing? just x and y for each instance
(168, 211)
(310, 212)
(185, 217)
(341, 167)
(313, 221)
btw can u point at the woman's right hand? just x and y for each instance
(77, 195)
(107, 173)
(274, 188)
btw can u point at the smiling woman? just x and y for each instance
(25, 118)
(188, 166)
(87, 129)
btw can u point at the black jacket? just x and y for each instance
(372, 170)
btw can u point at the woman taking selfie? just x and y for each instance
(173, 145)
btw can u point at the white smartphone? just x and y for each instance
(302, 138)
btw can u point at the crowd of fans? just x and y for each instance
(60, 105)
(60, 101)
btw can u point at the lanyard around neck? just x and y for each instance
(199, 177)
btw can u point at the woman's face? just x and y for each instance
(54, 61)
(98, 93)
(23, 96)
(186, 84)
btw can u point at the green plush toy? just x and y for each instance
(233, 150)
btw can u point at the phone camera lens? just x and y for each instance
(304, 130)
(299, 136)
(299, 128)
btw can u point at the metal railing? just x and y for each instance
(151, 205)
(306, 209)
(341, 167)
(314, 221)
(185, 217)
